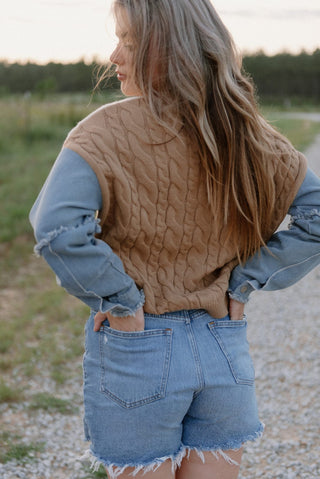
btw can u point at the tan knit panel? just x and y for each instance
(289, 170)
(155, 214)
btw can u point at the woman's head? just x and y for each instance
(181, 58)
(174, 44)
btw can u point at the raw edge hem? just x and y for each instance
(114, 470)
(230, 446)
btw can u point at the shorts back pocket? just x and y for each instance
(231, 335)
(134, 365)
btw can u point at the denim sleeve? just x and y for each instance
(290, 254)
(64, 222)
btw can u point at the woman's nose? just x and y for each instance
(116, 56)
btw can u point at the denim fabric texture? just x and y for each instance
(185, 382)
(65, 232)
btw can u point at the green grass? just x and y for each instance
(289, 105)
(48, 402)
(9, 394)
(300, 132)
(32, 133)
(52, 324)
(101, 473)
(7, 338)
(12, 450)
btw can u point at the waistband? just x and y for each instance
(182, 315)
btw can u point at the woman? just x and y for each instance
(189, 183)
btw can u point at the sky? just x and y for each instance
(65, 31)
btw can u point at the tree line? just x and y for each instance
(276, 77)
(285, 76)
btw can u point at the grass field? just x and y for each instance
(31, 134)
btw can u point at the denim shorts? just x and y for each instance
(184, 383)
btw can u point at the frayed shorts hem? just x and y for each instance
(219, 451)
(232, 445)
(114, 470)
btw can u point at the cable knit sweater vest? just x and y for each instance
(155, 213)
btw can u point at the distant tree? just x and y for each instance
(285, 75)
(53, 77)
(46, 86)
(279, 77)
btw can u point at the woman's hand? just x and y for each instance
(128, 323)
(236, 309)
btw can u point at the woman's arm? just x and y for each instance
(63, 218)
(290, 254)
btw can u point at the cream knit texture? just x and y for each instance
(155, 213)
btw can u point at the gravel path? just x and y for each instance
(284, 337)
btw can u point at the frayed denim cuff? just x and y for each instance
(242, 292)
(127, 306)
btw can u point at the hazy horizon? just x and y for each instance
(51, 30)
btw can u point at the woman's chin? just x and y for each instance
(128, 90)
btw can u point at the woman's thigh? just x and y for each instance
(210, 466)
(162, 472)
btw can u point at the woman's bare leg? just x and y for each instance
(163, 472)
(192, 467)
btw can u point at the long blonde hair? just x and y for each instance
(187, 66)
